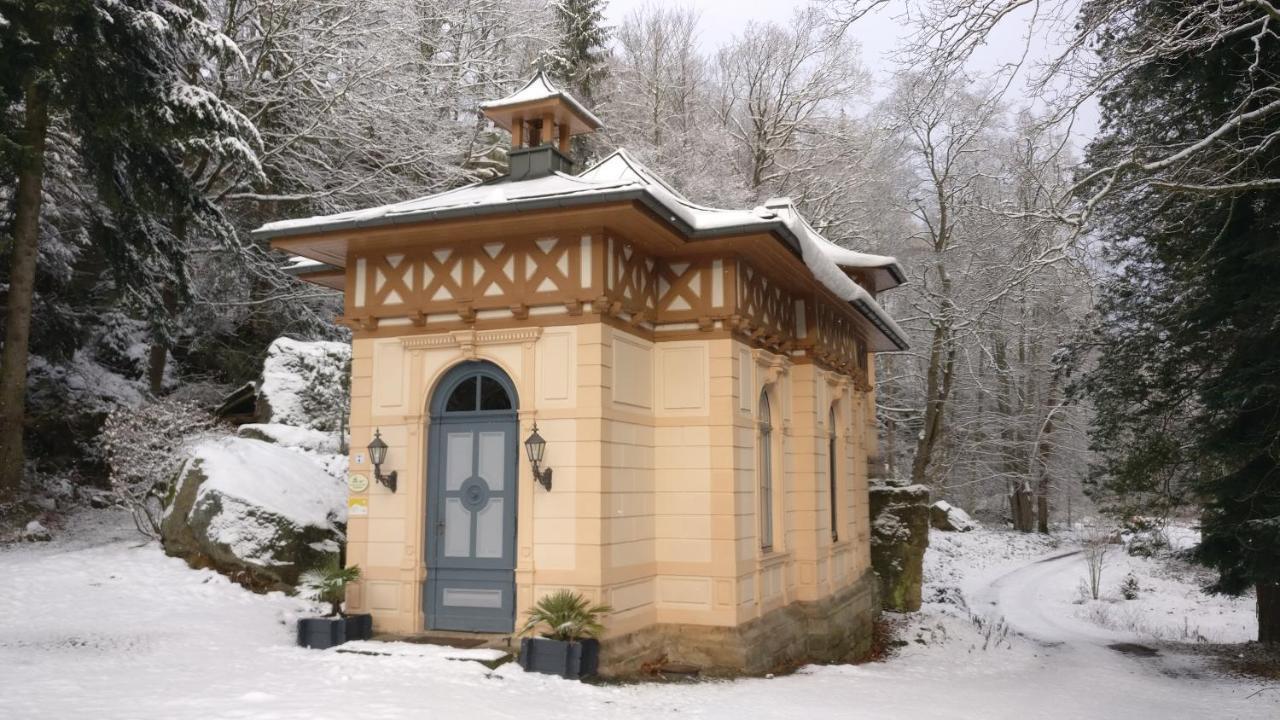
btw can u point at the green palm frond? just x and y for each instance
(329, 583)
(567, 615)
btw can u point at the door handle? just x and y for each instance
(440, 528)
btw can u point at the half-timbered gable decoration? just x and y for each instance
(645, 337)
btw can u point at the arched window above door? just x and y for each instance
(476, 389)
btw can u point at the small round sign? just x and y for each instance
(357, 483)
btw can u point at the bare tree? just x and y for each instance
(996, 290)
(1072, 74)
(782, 91)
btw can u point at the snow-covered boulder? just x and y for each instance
(304, 384)
(35, 532)
(945, 516)
(257, 512)
(317, 441)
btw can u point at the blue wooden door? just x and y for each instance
(471, 502)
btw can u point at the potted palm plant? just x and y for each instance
(569, 627)
(329, 584)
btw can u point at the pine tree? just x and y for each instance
(579, 59)
(124, 78)
(1187, 386)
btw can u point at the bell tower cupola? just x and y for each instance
(542, 120)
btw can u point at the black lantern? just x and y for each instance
(378, 455)
(535, 446)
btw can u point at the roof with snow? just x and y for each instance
(621, 177)
(540, 93)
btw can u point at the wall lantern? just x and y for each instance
(378, 454)
(535, 446)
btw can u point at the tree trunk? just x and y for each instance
(1269, 613)
(158, 356)
(938, 389)
(22, 280)
(1044, 451)
(1020, 507)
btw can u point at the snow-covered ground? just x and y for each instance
(102, 627)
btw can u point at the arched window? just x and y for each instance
(478, 393)
(831, 476)
(765, 473)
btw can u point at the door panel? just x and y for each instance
(471, 504)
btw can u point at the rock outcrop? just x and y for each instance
(899, 536)
(304, 384)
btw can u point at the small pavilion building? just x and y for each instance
(701, 378)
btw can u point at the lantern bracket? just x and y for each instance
(534, 447)
(378, 455)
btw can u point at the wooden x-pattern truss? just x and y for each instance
(613, 278)
(631, 286)
(765, 309)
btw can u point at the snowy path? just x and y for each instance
(113, 630)
(1022, 598)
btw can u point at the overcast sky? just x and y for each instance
(879, 34)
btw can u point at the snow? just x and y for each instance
(273, 478)
(92, 385)
(297, 262)
(101, 627)
(35, 532)
(317, 441)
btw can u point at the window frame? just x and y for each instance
(833, 489)
(764, 472)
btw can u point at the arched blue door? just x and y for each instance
(471, 501)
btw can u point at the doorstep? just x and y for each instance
(488, 649)
(448, 638)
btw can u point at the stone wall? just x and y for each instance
(835, 628)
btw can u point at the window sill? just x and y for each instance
(770, 558)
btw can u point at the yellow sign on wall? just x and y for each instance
(357, 507)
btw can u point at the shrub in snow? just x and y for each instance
(305, 384)
(143, 448)
(1096, 540)
(328, 584)
(257, 512)
(1129, 588)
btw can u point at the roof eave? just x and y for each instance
(638, 194)
(450, 213)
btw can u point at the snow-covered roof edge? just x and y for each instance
(630, 180)
(538, 88)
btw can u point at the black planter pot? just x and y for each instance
(359, 627)
(322, 633)
(573, 660)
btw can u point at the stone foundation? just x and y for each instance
(833, 629)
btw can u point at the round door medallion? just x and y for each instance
(475, 493)
(357, 483)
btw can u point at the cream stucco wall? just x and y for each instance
(653, 444)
